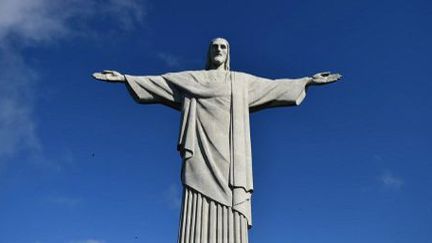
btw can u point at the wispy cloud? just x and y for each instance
(17, 125)
(169, 59)
(391, 181)
(172, 196)
(65, 201)
(42, 22)
(33, 21)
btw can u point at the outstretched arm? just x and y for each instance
(266, 93)
(145, 89)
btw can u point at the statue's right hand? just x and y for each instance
(110, 76)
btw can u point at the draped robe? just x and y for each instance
(214, 138)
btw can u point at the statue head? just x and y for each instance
(218, 54)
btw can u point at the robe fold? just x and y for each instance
(214, 138)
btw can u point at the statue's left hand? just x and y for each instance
(325, 78)
(109, 76)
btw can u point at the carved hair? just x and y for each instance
(209, 61)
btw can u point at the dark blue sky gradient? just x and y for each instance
(351, 164)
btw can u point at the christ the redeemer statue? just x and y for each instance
(214, 139)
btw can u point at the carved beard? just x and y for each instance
(219, 60)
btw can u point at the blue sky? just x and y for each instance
(81, 162)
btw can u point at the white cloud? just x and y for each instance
(45, 20)
(391, 181)
(36, 22)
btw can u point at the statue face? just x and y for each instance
(219, 52)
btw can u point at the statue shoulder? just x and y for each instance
(183, 73)
(242, 75)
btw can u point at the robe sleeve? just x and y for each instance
(265, 93)
(154, 89)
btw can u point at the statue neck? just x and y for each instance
(219, 67)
